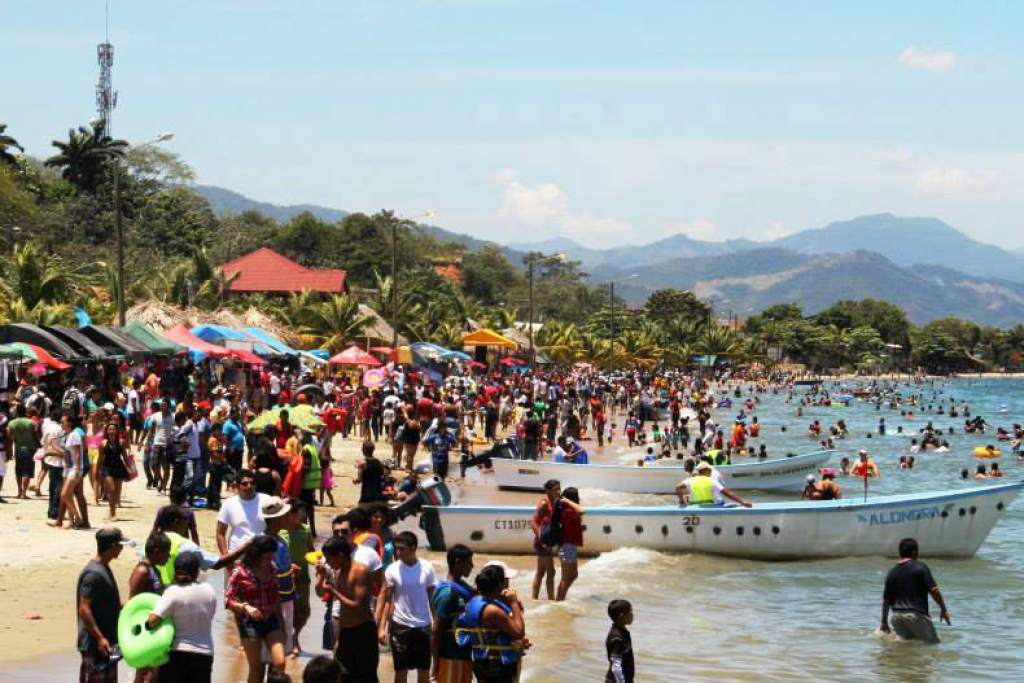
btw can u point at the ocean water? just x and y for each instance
(702, 618)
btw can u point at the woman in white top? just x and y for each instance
(190, 605)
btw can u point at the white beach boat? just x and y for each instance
(786, 474)
(946, 524)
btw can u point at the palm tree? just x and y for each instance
(8, 142)
(15, 311)
(85, 157)
(334, 322)
(32, 276)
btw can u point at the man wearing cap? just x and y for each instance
(99, 606)
(704, 489)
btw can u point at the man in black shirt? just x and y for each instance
(619, 643)
(99, 606)
(531, 436)
(906, 593)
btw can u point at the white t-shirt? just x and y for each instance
(191, 608)
(243, 519)
(133, 402)
(409, 584)
(275, 384)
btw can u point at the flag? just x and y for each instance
(83, 318)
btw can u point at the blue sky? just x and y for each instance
(609, 122)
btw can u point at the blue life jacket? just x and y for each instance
(485, 641)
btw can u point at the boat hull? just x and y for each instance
(782, 474)
(945, 525)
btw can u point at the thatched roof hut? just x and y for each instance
(518, 336)
(158, 315)
(379, 329)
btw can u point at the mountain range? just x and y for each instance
(929, 268)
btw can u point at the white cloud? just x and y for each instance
(895, 156)
(545, 206)
(953, 180)
(700, 229)
(776, 230)
(925, 59)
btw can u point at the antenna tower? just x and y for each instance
(106, 97)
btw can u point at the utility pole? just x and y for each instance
(611, 305)
(394, 283)
(530, 328)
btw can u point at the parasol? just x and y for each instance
(354, 355)
(374, 378)
(512, 360)
(302, 416)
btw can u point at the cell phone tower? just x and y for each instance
(106, 97)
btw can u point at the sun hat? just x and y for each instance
(509, 572)
(702, 466)
(274, 507)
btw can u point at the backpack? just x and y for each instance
(551, 529)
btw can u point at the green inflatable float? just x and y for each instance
(141, 647)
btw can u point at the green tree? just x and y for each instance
(666, 304)
(85, 158)
(175, 222)
(488, 276)
(8, 143)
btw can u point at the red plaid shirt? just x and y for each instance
(246, 587)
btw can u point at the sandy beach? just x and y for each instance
(39, 569)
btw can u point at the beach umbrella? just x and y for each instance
(512, 360)
(38, 369)
(39, 355)
(302, 416)
(322, 354)
(477, 366)
(456, 355)
(354, 355)
(382, 350)
(374, 378)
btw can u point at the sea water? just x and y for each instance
(702, 618)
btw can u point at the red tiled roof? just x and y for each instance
(264, 270)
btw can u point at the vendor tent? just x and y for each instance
(487, 337)
(33, 334)
(197, 347)
(85, 347)
(232, 339)
(157, 345)
(39, 355)
(113, 341)
(270, 340)
(354, 355)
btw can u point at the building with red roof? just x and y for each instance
(267, 272)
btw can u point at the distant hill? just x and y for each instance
(763, 277)
(908, 241)
(905, 241)
(226, 202)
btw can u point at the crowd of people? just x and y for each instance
(187, 430)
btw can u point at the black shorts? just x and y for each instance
(358, 652)
(187, 666)
(253, 629)
(24, 463)
(410, 647)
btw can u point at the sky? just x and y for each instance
(522, 120)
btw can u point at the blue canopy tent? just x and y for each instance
(219, 334)
(270, 340)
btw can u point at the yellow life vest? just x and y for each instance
(166, 570)
(702, 490)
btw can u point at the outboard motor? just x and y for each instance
(431, 492)
(506, 448)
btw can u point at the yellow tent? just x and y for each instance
(485, 337)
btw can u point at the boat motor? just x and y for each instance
(433, 492)
(506, 448)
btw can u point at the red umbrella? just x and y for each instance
(382, 350)
(510, 360)
(475, 364)
(354, 355)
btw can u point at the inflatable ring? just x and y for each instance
(143, 648)
(982, 452)
(314, 556)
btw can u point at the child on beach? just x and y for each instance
(619, 643)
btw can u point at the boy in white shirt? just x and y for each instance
(405, 611)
